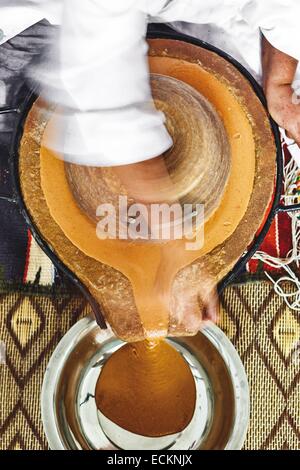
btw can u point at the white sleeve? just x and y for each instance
(111, 118)
(18, 15)
(278, 21)
(16, 18)
(193, 11)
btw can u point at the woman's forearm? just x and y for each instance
(278, 68)
(279, 71)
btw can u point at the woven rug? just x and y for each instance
(265, 332)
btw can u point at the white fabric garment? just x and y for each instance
(18, 15)
(103, 69)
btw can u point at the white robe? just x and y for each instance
(103, 72)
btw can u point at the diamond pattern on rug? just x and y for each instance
(24, 323)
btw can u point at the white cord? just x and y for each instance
(292, 299)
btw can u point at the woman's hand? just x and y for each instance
(278, 75)
(193, 301)
(284, 109)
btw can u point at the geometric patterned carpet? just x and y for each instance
(264, 331)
